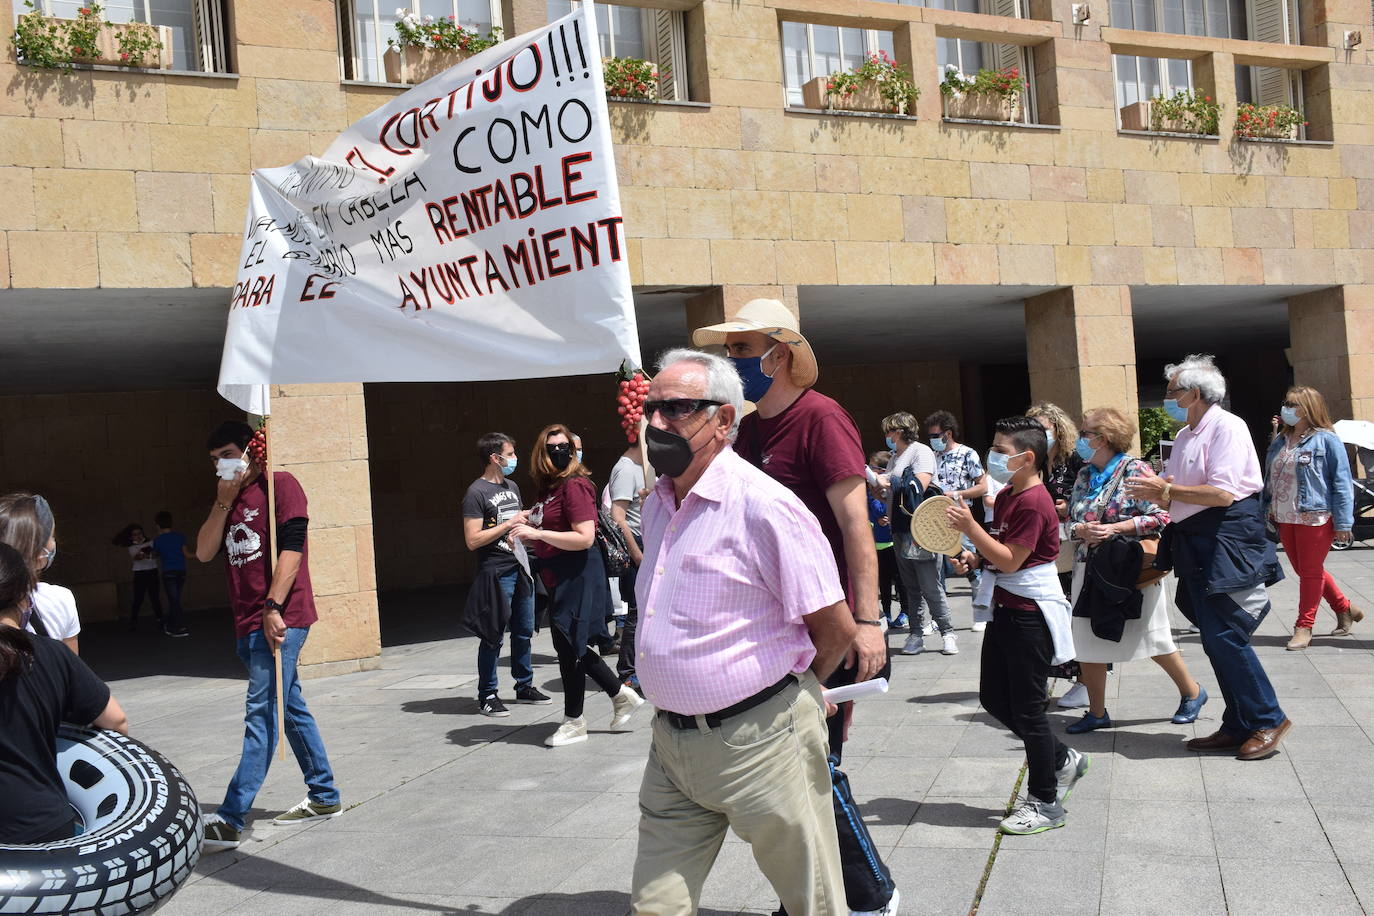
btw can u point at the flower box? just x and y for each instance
(983, 106)
(1288, 132)
(409, 64)
(106, 49)
(866, 98)
(1137, 116)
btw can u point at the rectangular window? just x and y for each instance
(1139, 79)
(366, 25)
(197, 26)
(643, 33)
(809, 51)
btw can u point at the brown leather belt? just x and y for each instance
(677, 720)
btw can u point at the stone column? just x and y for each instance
(1080, 342)
(1332, 334)
(319, 434)
(720, 302)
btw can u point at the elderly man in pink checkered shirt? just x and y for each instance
(741, 617)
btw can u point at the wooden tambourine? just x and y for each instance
(930, 528)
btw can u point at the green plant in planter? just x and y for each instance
(893, 81)
(1155, 425)
(83, 32)
(138, 44)
(1007, 83)
(39, 41)
(630, 78)
(1263, 120)
(1191, 109)
(441, 34)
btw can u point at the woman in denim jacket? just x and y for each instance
(1309, 496)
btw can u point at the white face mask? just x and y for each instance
(226, 468)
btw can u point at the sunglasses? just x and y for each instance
(677, 408)
(1087, 433)
(1173, 391)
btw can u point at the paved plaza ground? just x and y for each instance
(450, 812)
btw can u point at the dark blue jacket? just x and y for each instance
(1225, 545)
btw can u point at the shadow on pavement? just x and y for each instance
(963, 698)
(265, 874)
(532, 735)
(587, 903)
(116, 653)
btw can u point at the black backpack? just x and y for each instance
(907, 495)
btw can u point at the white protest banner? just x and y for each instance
(470, 229)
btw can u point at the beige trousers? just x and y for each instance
(762, 773)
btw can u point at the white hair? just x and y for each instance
(722, 381)
(1199, 370)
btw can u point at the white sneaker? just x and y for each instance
(570, 732)
(1075, 698)
(889, 910)
(1033, 816)
(1068, 775)
(915, 644)
(623, 705)
(928, 629)
(979, 626)
(949, 645)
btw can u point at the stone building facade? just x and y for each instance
(125, 194)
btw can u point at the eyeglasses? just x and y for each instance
(1173, 391)
(677, 408)
(1087, 433)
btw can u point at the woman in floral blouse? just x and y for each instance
(1099, 509)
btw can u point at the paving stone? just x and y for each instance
(1146, 885)
(1315, 887)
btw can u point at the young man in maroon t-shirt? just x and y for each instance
(1017, 646)
(273, 608)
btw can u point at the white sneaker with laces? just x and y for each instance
(1075, 698)
(915, 644)
(928, 629)
(949, 645)
(570, 732)
(979, 626)
(1068, 775)
(889, 910)
(623, 705)
(1033, 816)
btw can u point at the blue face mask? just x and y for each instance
(997, 466)
(892, 445)
(1289, 416)
(579, 455)
(1176, 413)
(756, 381)
(508, 467)
(1085, 449)
(937, 444)
(1049, 441)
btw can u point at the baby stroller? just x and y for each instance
(1363, 529)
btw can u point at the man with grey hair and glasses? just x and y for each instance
(1216, 545)
(741, 618)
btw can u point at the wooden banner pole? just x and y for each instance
(272, 563)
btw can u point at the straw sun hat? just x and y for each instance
(770, 317)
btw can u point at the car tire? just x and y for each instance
(141, 839)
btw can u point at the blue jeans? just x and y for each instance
(1226, 626)
(260, 731)
(520, 593)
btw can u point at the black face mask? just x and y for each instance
(560, 455)
(669, 453)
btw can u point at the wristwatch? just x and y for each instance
(273, 606)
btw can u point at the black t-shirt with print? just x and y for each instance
(33, 702)
(493, 503)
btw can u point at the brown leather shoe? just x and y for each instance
(1265, 742)
(1345, 620)
(1302, 638)
(1217, 741)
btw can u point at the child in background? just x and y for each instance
(882, 539)
(146, 582)
(170, 547)
(1030, 627)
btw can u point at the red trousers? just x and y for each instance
(1307, 546)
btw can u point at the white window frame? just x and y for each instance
(208, 51)
(670, 60)
(871, 46)
(348, 14)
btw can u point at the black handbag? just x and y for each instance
(610, 540)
